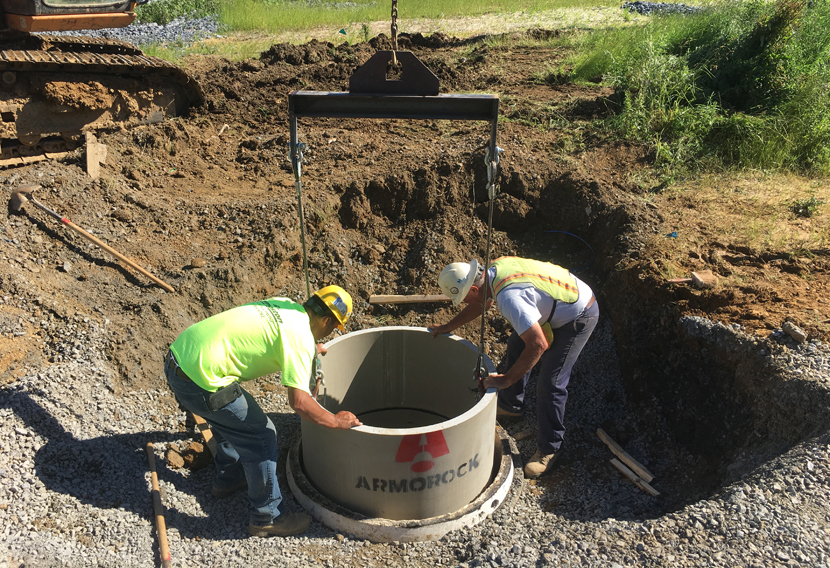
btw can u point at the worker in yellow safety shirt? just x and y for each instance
(205, 366)
(552, 312)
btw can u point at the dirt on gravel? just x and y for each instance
(208, 203)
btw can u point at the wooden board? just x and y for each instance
(638, 468)
(412, 299)
(635, 478)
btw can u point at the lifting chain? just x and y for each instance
(296, 156)
(492, 189)
(394, 32)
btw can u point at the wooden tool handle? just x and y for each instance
(204, 428)
(115, 253)
(412, 299)
(161, 529)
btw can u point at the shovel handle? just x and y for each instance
(115, 253)
(158, 509)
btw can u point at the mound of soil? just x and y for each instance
(208, 203)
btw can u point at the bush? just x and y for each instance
(163, 12)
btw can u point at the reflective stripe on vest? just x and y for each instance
(549, 278)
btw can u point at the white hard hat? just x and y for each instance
(456, 280)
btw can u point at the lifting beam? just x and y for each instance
(415, 96)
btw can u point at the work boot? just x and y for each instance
(221, 493)
(287, 524)
(539, 464)
(502, 413)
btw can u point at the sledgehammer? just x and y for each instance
(24, 195)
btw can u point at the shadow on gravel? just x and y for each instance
(109, 472)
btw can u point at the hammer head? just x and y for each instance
(21, 196)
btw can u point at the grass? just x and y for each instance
(281, 15)
(750, 209)
(251, 26)
(740, 84)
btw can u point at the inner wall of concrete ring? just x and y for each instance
(426, 446)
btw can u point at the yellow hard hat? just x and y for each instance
(338, 301)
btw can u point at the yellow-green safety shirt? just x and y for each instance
(248, 342)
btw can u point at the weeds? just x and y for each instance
(736, 85)
(806, 207)
(163, 12)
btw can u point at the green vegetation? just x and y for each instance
(806, 207)
(281, 15)
(739, 84)
(165, 11)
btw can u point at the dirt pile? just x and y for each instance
(208, 203)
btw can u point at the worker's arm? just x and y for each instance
(466, 315)
(310, 409)
(535, 345)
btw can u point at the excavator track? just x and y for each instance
(65, 85)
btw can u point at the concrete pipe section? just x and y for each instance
(428, 458)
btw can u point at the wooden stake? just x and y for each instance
(161, 529)
(412, 299)
(640, 470)
(635, 478)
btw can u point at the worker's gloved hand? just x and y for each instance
(346, 420)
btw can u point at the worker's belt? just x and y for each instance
(215, 400)
(170, 362)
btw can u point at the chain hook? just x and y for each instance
(295, 155)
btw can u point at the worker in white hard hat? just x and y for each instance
(553, 313)
(209, 360)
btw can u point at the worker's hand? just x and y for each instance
(495, 381)
(436, 330)
(346, 420)
(321, 350)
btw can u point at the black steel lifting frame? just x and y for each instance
(415, 97)
(323, 104)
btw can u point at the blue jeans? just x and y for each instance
(554, 375)
(246, 445)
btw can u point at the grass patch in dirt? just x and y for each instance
(752, 211)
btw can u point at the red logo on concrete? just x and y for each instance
(419, 448)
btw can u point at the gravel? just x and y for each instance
(74, 480)
(181, 30)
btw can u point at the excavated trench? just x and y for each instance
(703, 409)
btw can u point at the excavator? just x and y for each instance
(54, 88)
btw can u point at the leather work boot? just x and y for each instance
(539, 464)
(220, 493)
(287, 524)
(502, 413)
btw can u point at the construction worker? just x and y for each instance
(209, 360)
(553, 313)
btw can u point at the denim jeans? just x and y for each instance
(554, 375)
(246, 445)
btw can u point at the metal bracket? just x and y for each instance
(416, 78)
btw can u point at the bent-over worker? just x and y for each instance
(209, 360)
(553, 313)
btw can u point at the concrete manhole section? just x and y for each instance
(428, 458)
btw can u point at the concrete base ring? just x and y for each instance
(340, 519)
